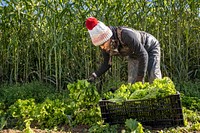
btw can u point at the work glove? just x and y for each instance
(140, 79)
(92, 78)
(113, 90)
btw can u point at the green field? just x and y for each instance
(45, 47)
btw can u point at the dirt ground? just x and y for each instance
(77, 129)
(42, 131)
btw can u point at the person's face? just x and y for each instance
(106, 46)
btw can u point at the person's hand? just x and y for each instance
(140, 79)
(113, 90)
(92, 78)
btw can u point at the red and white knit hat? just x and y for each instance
(99, 32)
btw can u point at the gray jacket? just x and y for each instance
(129, 42)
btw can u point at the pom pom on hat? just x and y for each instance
(91, 22)
(99, 32)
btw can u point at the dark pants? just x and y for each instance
(153, 69)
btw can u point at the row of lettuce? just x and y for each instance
(38, 105)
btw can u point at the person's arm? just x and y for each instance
(106, 64)
(131, 39)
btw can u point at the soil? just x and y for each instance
(41, 131)
(34, 130)
(77, 129)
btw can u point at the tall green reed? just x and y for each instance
(48, 41)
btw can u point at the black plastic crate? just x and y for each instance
(156, 113)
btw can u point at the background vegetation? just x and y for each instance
(47, 39)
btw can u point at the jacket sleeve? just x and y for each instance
(105, 64)
(130, 38)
